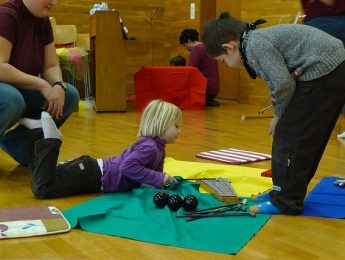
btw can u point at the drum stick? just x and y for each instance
(261, 111)
(200, 179)
(198, 216)
(245, 117)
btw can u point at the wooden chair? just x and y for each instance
(65, 35)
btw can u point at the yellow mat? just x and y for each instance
(245, 180)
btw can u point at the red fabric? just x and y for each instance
(183, 86)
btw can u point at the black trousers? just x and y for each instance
(301, 136)
(81, 175)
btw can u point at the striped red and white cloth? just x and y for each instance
(234, 156)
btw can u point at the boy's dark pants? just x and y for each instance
(81, 175)
(301, 136)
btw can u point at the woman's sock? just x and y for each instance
(30, 123)
(265, 208)
(49, 128)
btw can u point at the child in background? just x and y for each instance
(305, 71)
(141, 163)
(178, 61)
(199, 59)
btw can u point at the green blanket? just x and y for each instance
(133, 215)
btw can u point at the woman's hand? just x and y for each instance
(55, 100)
(273, 124)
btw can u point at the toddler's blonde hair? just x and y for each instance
(157, 117)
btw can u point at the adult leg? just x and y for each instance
(12, 106)
(19, 142)
(301, 136)
(212, 89)
(35, 101)
(71, 104)
(333, 25)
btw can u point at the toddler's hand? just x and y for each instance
(168, 180)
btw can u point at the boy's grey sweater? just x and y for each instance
(275, 52)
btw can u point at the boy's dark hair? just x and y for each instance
(222, 30)
(189, 34)
(178, 61)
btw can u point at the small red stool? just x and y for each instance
(183, 86)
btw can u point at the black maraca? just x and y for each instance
(175, 202)
(161, 199)
(190, 203)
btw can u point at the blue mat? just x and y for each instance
(326, 200)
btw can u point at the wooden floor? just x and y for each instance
(105, 134)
